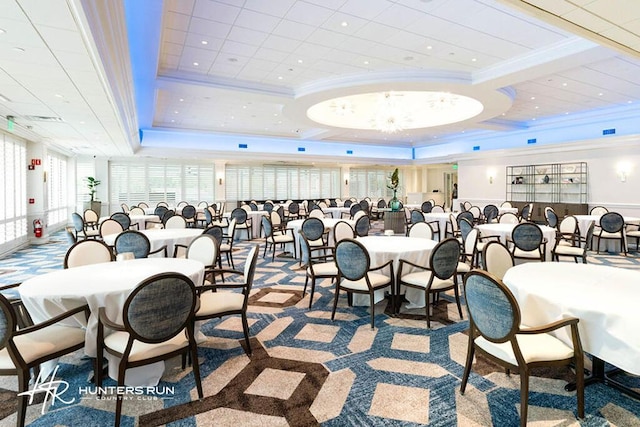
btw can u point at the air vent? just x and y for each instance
(44, 119)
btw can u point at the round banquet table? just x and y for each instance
(442, 218)
(609, 245)
(158, 237)
(394, 248)
(603, 298)
(336, 212)
(255, 217)
(329, 223)
(100, 285)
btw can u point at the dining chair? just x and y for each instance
(124, 207)
(23, 350)
(314, 229)
(465, 227)
(175, 222)
(242, 221)
(353, 208)
(508, 218)
(214, 304)
(426, 207)
(80, 228)
(598, 210)
(86, 252)
(343, 230)
(137, 210)
(316, 212)
(226, 246)
(160, 210)
(267, 206)
(576, 250)
(468, 254)
(273, 238)
(123, 219)
(189, 213)
(439, 276)
(319, 264)
(355, 275)
(217, 233)
(490, 213)
(505, 205)
(437, 209)
(137, 243)
(363, 225)
(452, 229)
(293, 211)
(497, 258)
(143, 205)
(377, 209)
(634, 234)
(525, 213)
(421, 229)
(551, 217)
(527, 242)
(476, 212)
(206, 249)
(91, 218)
(416, 216)
(181, 204)
(157, 324)
(109, 226)
(163, 204)
(495, 332)
(612, 228)
(466, 205)
(568, 232)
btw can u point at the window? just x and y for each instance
(171, 182)
(57, 194)
(13, 190)
(370, 183)
(281, 182)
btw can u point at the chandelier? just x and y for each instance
(390, 115)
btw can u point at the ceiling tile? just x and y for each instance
(256, 21)
(216, 11)
(247, 36)
(209, 28)
(238, 48)
(177, 21)
(366, 10)
(293, 30)
(272, 7)
(307, 13)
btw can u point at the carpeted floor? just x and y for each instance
(308, 370)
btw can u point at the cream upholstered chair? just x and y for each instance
(497, 259)
(175, 222)
(110, 226)
(86, 252)
(420, 229)
(577, 250)
(319, 264)
(439, 276)
(158, 324)
(495, 331)
(81, 230)
(356, 275)
(273, 237)
(342, 230)
(136, 211)
(91, 218)
(316, 213)
(227, 303)
(23, 350)
(508, 218)
(505, 205)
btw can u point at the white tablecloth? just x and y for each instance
(442, 218)
(99, 285)
(329, 223)
(605, 299)
(394, 248)
(507, 210)
(161, 236)
(336, 212)
(504, 231)
(608, 244)
(256, 218)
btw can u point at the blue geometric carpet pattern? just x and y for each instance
(308, 370)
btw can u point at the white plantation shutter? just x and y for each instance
(369, 183)
(13, 188)
(57, 194)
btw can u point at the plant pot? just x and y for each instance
(394, 203)
(94, 206)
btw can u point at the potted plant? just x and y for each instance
(93, 204)
(394, 182)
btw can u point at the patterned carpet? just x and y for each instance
(307, 370)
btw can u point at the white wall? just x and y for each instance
(603, 158)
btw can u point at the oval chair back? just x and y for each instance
(136, 211)
(268, 206)
(354, 208)
(175, 222)
(352, 260)
(110, 226)
(240, 215)
(123, 219)
(421, 229)
(508, 218)
(134, 242)
(86, 252)
(204, 248)
(551, 217)
(426, 207)
(527, 236)
(490, 213)
(416, 216)
(598, 210)
(363, 224)
(189, 212)
(496, 258)
(160, 210)
(444, 257)
(313, 229)
(612, 222)
(465, 227)
(343, 230)
(216, 232)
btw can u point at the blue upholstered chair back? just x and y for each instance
(492, 307)
(551, 217)
(466, 215)
(208, 218)
(78, 222)
(347, 203)
(8, 321)
(364, 205)
(382, 203)
(465, 227)
(352, 259)
(253, 206)
(313, 228)
(354, 208)
(612, 222)
(363, 224)
(133, 241)
(160, 307)
(216, 232)
(160, 211)
(426, 207)
(268, 206)
(527, 236)
(267, 227)
(168, 214)
(444, 258)
(280, 211)
(525, 212)
(240, 215)
(189, 211)
(416, 216)
(490, 213)
(123, 219)
(294, 208)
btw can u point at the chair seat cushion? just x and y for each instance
(535, 348)
(519, 253)
(421, 279)
(377, 281)
(325, 269)
(607, 235)
(225, 247)
(280, 238)
(212, 303)
(569, 250)
(635, 233)
(91, 232)
(463, 267)
(139, 351)
(40, 343)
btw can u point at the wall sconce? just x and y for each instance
(220, 176)
(623, 170)
(346, 179)
(491, 173)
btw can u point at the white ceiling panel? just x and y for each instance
(216, 11)
(307, 13)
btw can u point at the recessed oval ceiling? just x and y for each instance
(392, 111)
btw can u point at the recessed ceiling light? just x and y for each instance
(366, 62)
(196, 64)
(536, 107)
(82, 122)
(244, 107)
(233, 117)
(429, 47)
(57, 95)
(181, 99)
(299, 61)
(533, 97)
(564, 84)
(175, 112)
(344, 23)
(2, 31)
(473, 59)
(600, 94)
(173, 121)
(204, 42)
(629, 102)
(533, 118)
(280, 77)
(275, 114)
